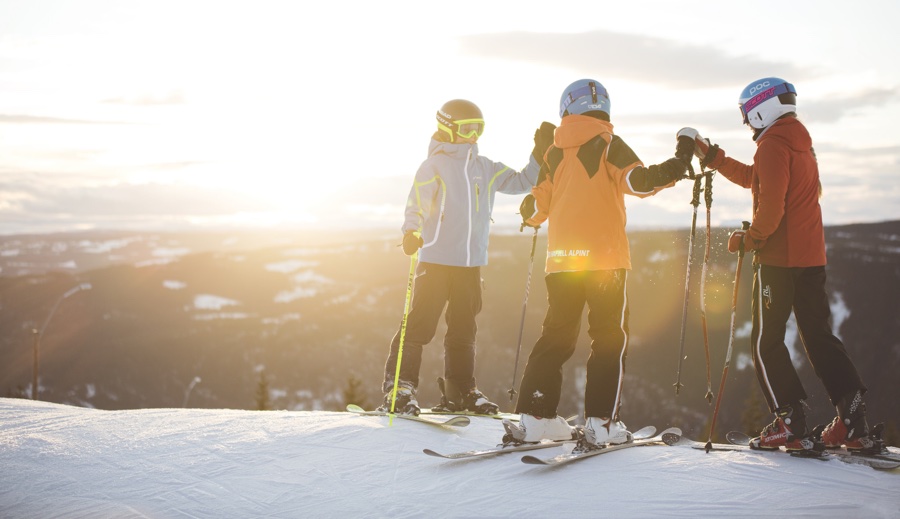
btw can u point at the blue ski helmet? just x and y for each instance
(765, 100)
(584, 95)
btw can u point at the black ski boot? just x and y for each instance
(405, 402)
(446, 405)
(473, 401)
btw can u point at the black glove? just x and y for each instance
(684, 151)
(526, 208)
(543, 138)
(673, 169)
(411, 243)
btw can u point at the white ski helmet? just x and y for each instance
(765, 100)
(584, 95)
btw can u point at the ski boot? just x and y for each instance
(788, 431)
(476, 402)
(603, 431)
(473, 401)
(850, 428)
(446, 406)
(533, 429)
(405, 402)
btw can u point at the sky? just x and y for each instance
(62, 461)
(288, 115)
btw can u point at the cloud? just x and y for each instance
(172, 98)
(631, 56)
(828, 110)
(35, 119)
(28, 207)
(25, 197)
(836, 107)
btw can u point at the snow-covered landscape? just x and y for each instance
(58, 461)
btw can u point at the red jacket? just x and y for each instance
(787, 226)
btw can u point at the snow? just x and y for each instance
(286, 267)
(212, 302)
(71, 462)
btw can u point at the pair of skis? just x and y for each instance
(738, 441)
(453, 421)
(642, 437)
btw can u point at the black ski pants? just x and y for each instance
(567, 292)
(435, 287)
(776, 292)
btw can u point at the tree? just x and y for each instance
(353, 393)
(19, 392)
(262, 393)
(755, 410)
(891, 434)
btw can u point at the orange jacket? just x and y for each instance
(787, 226)
(581, 187)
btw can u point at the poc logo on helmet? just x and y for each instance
(757, 88)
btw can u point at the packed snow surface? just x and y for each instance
(58, 461)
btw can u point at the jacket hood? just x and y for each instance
(451, 149)
(790, 131)
(575, 130)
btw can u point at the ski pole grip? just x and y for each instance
(745, 226)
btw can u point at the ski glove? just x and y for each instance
(644, 180)
(736, 241)
(543, 138)
(672, 170)
(527, 210)
(411, 243)
(703, 150)
(684, 151)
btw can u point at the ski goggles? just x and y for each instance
(468, 128)
(765, 95)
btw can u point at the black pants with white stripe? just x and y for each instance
(567, 292)
(777, 291)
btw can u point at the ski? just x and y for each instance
(483, 453)
(512, 417)
(883, 461)
(453, 421)
(670, 436)
(499, 416)
(878, 450)
(700, 446)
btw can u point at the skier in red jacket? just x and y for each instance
(788, 241)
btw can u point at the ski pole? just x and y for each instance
(737, 281)
(512, 388)
(409, 284)
(695, 201)
(708, 175)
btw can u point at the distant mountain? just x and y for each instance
(307, 319)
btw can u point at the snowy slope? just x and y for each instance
(60, 461)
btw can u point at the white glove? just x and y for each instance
(701, 145)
